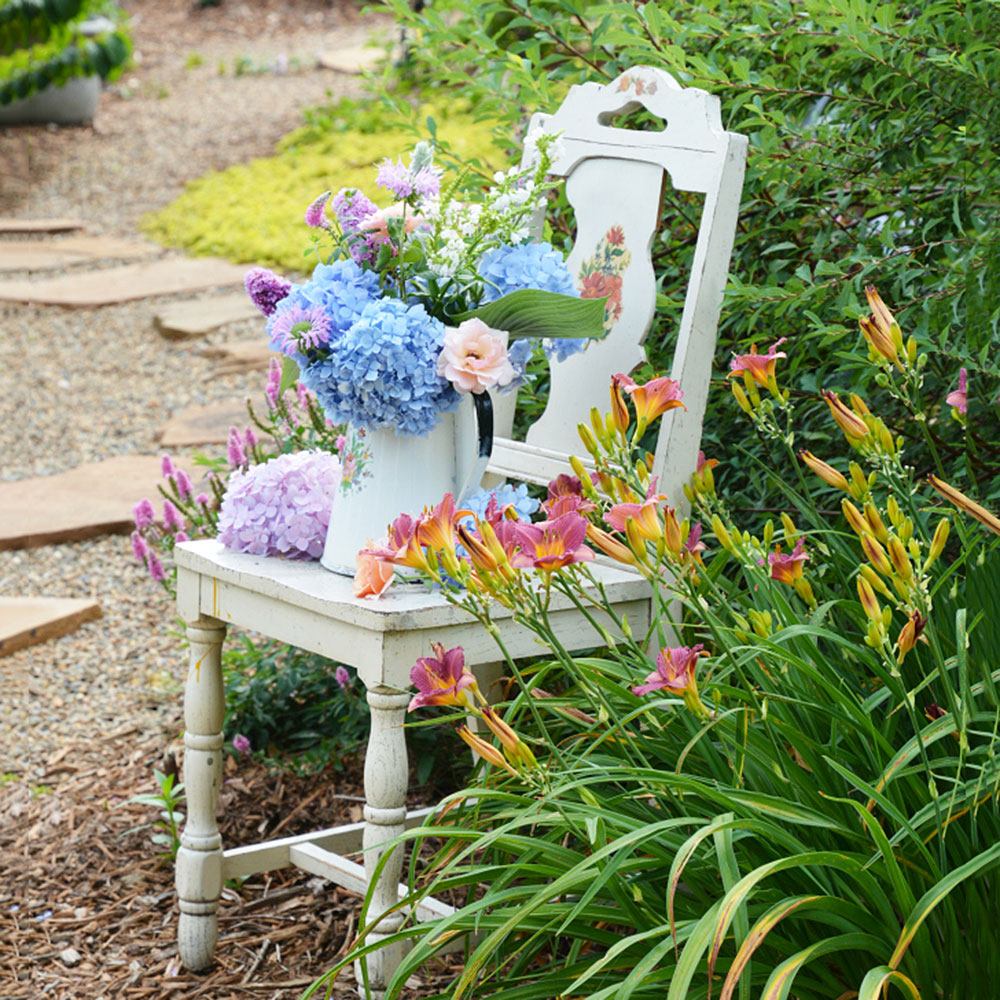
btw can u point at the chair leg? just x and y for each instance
(198, 874)
(385, 811)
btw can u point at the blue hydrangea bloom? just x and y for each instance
(382, 371)
(529, 265)
(342, 289)
(478, 500)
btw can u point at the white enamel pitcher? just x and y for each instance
(384, 475)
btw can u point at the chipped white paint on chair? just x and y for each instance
(616, 178)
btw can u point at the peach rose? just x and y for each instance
(474, 357)
(378, 222)
(373, 576)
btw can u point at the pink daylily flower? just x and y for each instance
(441, 679)
(759, 366)
(652, 399)
(788, 568)
(550, 545)
(674, 672)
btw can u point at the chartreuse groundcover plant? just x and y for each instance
(789, 786)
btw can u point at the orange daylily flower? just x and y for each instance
(760, 367)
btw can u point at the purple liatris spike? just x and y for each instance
(249, 438)
(155, 567)
(139, 546)
(237, 457)
(265, 288)
(343, 678)
(167, 466)
(182, 536)
(315, 215)
(273, 388)
(143, 513)
(171, 516)
(184, 487)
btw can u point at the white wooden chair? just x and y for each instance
(615, 182)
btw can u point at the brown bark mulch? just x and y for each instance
(87, 910)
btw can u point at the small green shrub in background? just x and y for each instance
(874, 149)
(252, 212)
(40, 45)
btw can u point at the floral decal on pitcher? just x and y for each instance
(355, 456)
(602, 273)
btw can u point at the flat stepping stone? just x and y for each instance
(24, 256)
(352, 60)
(204, 424)
(125, 283)
(26, 621)
(184, 320)
(240, 356)
(39, 225)
(90, 500)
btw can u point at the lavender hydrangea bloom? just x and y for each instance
(265, 288)
(383, 371)
(282, 507)
(341, 290)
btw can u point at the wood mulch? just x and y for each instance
(87, 909)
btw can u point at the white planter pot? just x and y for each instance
(385, 475)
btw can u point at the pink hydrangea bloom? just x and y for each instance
(474, 358)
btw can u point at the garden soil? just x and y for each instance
(87, 908)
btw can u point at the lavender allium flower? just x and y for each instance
(155, 567)
(294, 330)
(143, 513)
(184, 487)
(265, 288)
(167, 466)
(171, 516)
(139, 546)
(342, 677)
(234, 450)
(241, 745)
(315, 215)
(281, 507)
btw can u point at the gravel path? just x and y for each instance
(82, 385)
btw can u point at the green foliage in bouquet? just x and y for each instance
(40, 46)
(873, 150)
(789, 785)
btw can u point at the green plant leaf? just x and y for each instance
(534, 313)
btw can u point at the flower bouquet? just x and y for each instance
(413, 306)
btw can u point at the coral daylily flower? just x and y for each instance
(674, 672)
(958, 398)
(644, 514)
(788, 568)
(654, 398)
(374, 575)
(403, 548)
(436, 530)
(760, 367)
(441, 679)
(550, 545)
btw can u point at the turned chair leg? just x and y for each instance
(198, 875)
(385, 811)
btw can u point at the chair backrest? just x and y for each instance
(615, 180)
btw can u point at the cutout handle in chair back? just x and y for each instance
(615, 181)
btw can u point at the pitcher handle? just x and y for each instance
(484, 428)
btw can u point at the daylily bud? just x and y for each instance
(597, 423)
(859, 406)
(672, 531)
(854, 518)
(768, 533)
(875, 581)
(911, 350)
(791, 532)
(878, 342)
(854, 428)
(876, 555)
(906, 530)
(619, 410)
(635, 541)
(485, 750)
(900, 560)
(875, 523)
(868, 599)
(804, 589)
(938, 541)
(860, 487)
(642, 471)
(883, 319)
(517, 751)
(962, 502)
(892, 509)
(741, 397)
(721, 533)
(587, 437)
(825, 472)
(761, 622)
(610, 545)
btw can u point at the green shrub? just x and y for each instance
(252, 213)
(873, 150)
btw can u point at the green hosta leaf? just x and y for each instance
(533, 313)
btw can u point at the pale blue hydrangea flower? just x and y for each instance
(478, 500)
(281, 507)
(383, 371)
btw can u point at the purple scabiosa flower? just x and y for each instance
(265, 288)
(139, 546)
(341, 290)
(144, 514)
(172, 517)
(241, 745)
(184, 487)
(167, 466)
(273, 388)
(234, 449)
(294, 330)
(281, 507)
(315, 214)
(343, 677)
(155, 567)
